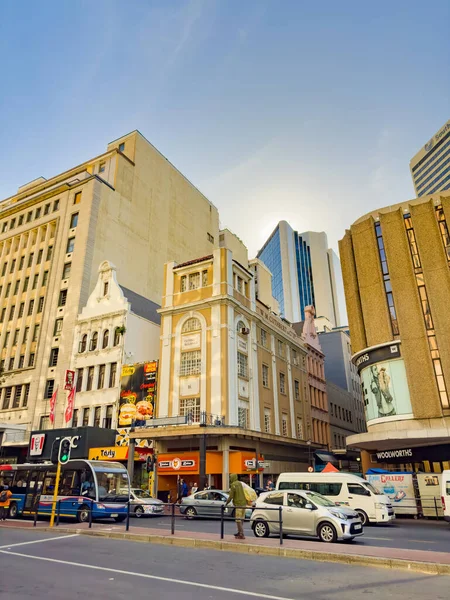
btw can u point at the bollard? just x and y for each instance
(58, 510)
(172, 518)
(280, 521)
(90, 514)
(436, 508)
(35, 514)
(222, 512)
(127, 526)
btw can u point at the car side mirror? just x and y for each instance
(309, 506)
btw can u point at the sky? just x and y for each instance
(275, 109)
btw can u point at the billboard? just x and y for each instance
(399, 487)
(385, 388)
(138, 386)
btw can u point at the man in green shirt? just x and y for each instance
(237, 495)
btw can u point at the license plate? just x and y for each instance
(114, 514)
(358, 527)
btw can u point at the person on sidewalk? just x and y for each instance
(237, 496)
(5, 496)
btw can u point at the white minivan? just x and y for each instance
(343, 489)
(445, 494)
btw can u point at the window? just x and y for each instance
(265, 375)
(35, 281)
(75, 418)
(357, 490)
(11, 312)
(31, 360)
(194, 281)
(299, 429)
(296, 389)
(30, 307)
(38, 213)
(49, 388)
(7, 398)
(40, 304)
(101, 377)
(39, 258)
(62, 298)
(4, 226)
(105, 338)
(77, 198)
(282, 383)
(107, 421)
(90, 379)
(17, 396)
(26, 395)
(49, 253)
(386, 279)
(44, 422)
(280, 348)
(105, 288)
(264, 338)
(73, 220)
(284, 425)
(13, 266)
(25, 284)
(2, 317)
(16, 337)
(191, 363)
(122, 147)
(58, 327)
(46, 209)
(116, 336)
(22, 260)
(30, 259)
(210, 238)
(85, 417)
(183, 282)
(242, 362)
(5, 343)
(12, 224)
(102, 167)
(243, 417)
(190, 407)
(192, 324)
(16, 287)
(53, 357)
(36, 333)
(29, 216)
(5, 265)
(83, 343)
(267, 420)
(204, 278)
(326, 489)
(240, 285)
(94, 341)
(275, 498)
(97, 416)
(112, 375)
(66, 270)
(21, 361)
(44, 279)
(79, 380)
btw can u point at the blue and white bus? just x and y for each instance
(85, 485)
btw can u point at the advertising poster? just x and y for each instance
(399, 487)
(386, 392)
(137, 394)
(430, 494)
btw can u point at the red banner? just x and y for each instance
(70, 405)
(52, 406)
(69, 380)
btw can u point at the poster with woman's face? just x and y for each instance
(385, 388)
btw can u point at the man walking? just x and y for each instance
(5, 496)
(237, 496)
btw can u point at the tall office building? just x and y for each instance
(430, 167)
(128, 205)
(305, 272)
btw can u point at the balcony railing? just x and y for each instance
(193, 417)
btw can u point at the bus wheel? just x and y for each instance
(13, 511)
(83, 514)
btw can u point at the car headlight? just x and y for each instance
(339, 515)
(379, 505)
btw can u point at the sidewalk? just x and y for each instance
(424, 561)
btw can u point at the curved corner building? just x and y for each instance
(396, 270)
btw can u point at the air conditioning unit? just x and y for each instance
(245, 330)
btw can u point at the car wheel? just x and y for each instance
(261, 529)
(83, 514)
(190, 512)
(327, 533)
(139, 511)
(13, 511)
(120, 518)
(362, 515)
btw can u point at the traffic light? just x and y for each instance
(149, 463)
(64, 451)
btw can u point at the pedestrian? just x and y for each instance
(5, 496)
(184, 489)
(270, 486)
(237, 496)
(194, 488)
(179, 490)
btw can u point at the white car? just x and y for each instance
(142, 504)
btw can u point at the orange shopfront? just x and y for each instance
(186, 465)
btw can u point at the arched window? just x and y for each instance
(240, 326)
(192, 324)
(105, 338)
(117, 336)
(83, 343)
(94, 341)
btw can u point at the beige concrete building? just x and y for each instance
(430, 167)
(395, 264)
(232, 371)
(130, 206)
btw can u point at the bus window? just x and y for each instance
(87, 484)
(49, 483)
(20, 482)
(69, 484)
(7, 479)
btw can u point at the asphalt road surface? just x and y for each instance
(45, 565)
(403, 533)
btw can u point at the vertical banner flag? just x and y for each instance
(69, 380)
(70, 405)
(52, 406)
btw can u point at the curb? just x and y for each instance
(318, 555)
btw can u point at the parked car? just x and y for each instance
(142, 504)
(304, 514)
(207, 503)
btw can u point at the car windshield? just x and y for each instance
(112, 487)
(141, 494)
(372, 488)
(319, 499)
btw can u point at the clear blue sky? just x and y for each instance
(275, 109)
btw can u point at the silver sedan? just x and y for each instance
(142, 504)
(207, 504)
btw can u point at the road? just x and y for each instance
(403, 533)
(34, 564)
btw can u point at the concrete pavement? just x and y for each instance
(36, 564)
